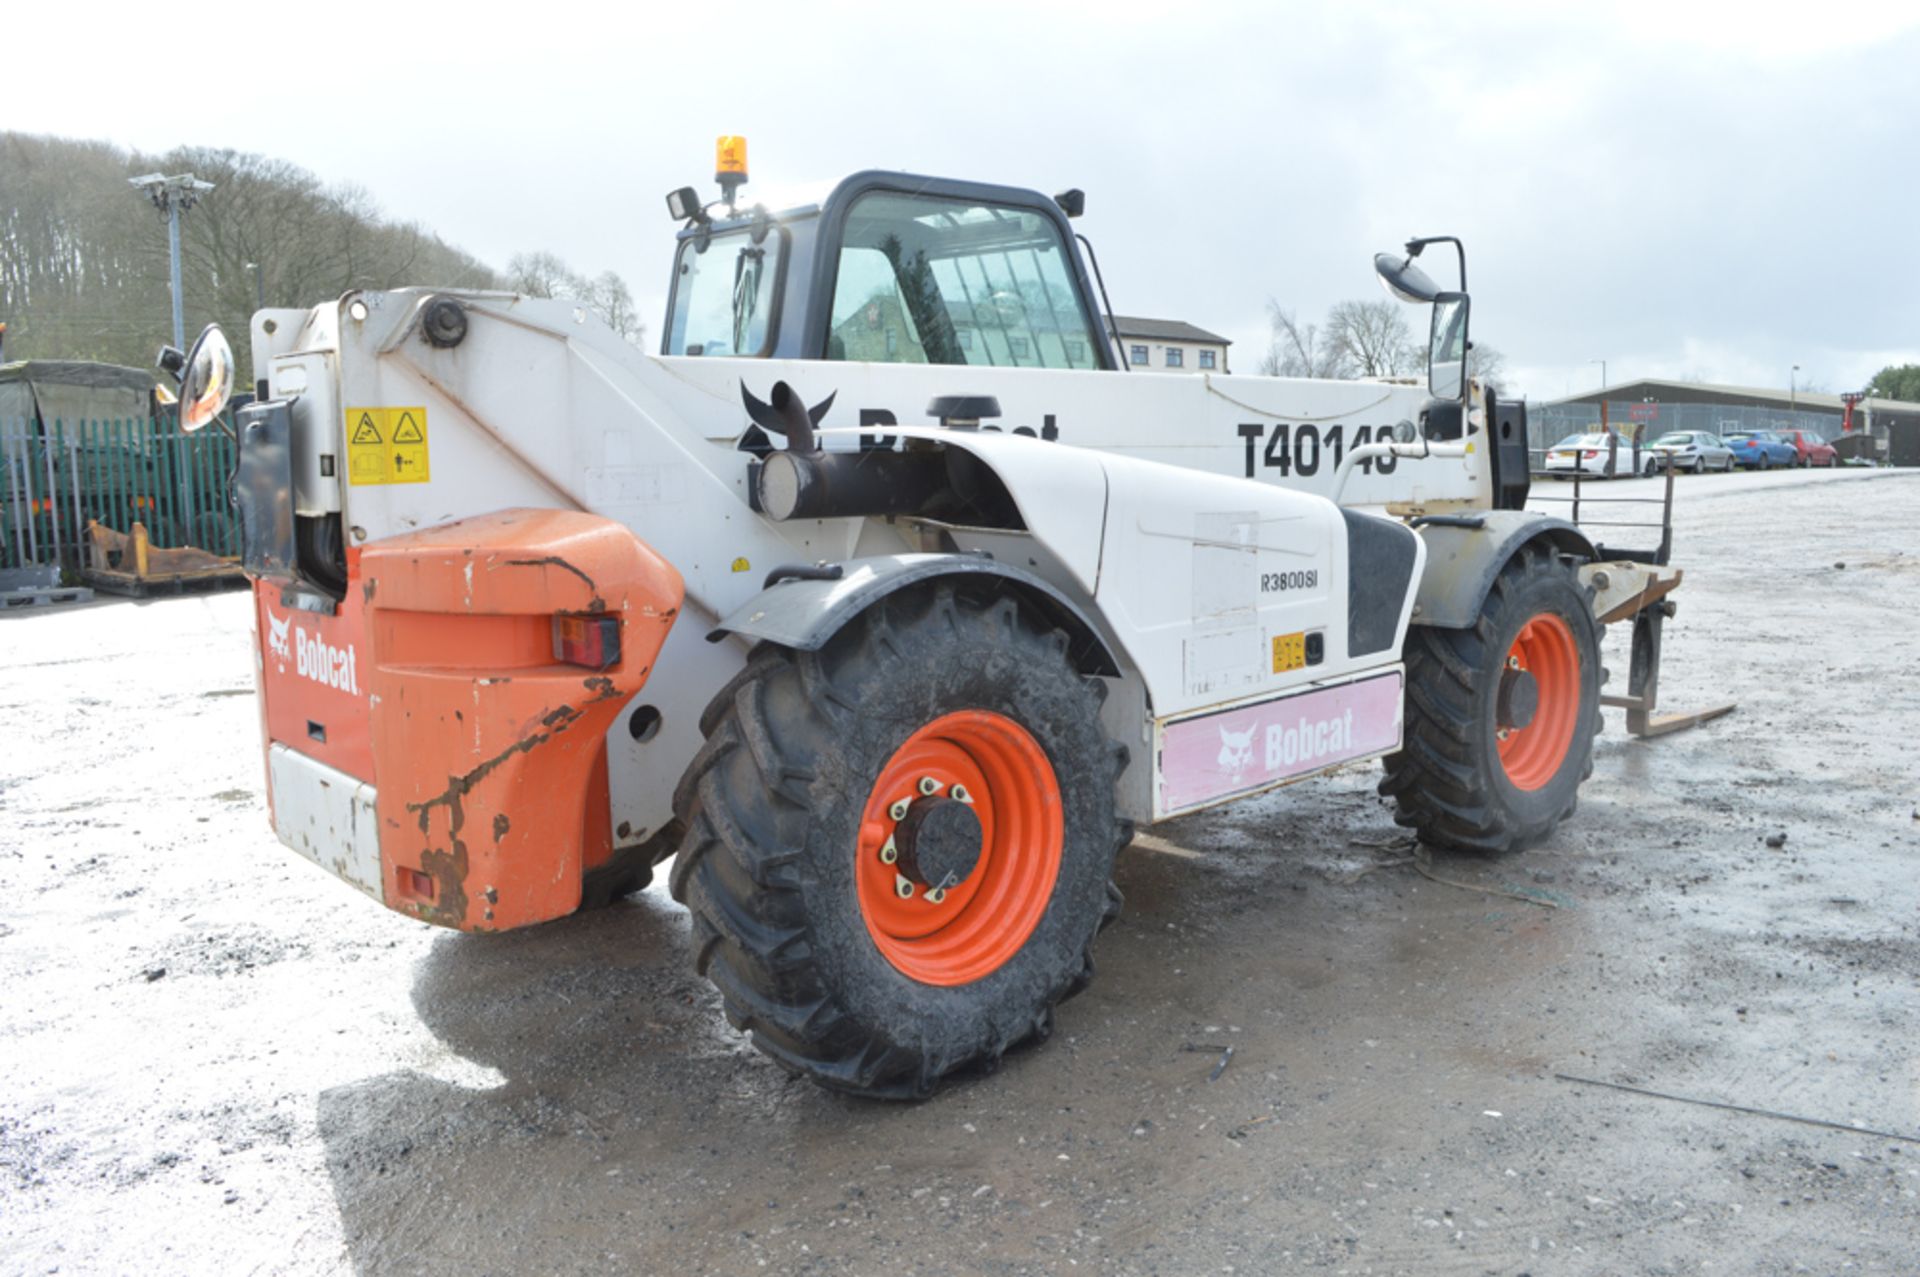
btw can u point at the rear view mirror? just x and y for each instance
(1400, 277)
(207, 382)
(1447, 347)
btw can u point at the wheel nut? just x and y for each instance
(889, 853)
(1513, 662)
(1503, 733)
(935, 896)
(959, 794)
(901, 887)
(928, 785)
(899, 810)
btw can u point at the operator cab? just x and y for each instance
(889, 268)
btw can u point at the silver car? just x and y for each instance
(1695, 451)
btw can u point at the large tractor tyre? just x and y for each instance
(899, 848)
(1500, 717)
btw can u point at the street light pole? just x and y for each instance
(259, 286)
(1793, 389)
(173, 196)
(1603, 391)
(173, 274)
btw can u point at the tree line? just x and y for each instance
(84, 263)
(1359, 339)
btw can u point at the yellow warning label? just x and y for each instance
(387, 445)
(1289, 652)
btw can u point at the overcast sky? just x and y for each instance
(1709, 190)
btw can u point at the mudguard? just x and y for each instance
(1465, 552)
(804, 612)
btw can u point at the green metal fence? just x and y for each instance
(56, 476)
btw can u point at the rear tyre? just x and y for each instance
(1500, 717)
(1727, 468)
(899, 849)
(1766, 461)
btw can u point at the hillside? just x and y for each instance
(83, 256)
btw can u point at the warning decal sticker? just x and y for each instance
(387, 445)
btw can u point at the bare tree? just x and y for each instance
(1300, 350)
(606, 294)
(1486, 364)
(543, 275)
(1375, 338)
(611, 297)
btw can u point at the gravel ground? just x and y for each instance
(219, 1059)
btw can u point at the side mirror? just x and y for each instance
(1401, 278)
(1447, 347)
(207, 383)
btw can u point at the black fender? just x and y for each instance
(806, 609)
(1466, 551)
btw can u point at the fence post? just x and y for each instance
(13, 500)
(47, 448)
(26, 484)
(79, 525)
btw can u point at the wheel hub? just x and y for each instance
(1536, 704)
(1518, 699)
(939, 842)
(970, 801)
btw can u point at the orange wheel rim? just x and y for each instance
(1544, 648)
(973, 928)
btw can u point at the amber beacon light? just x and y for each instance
(730, 164)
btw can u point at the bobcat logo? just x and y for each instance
(277, 638)
(1236, 749)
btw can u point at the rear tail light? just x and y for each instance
(592, 642)
(1591, 453)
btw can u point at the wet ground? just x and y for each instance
(216, 1058)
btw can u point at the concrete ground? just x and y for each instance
(216, 1058)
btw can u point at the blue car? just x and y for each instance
(1761, 449)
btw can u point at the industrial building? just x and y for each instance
(1886, 430)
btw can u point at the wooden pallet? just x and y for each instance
(132, 585)
(127, 563)
(44, 598)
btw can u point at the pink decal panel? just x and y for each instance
(1216, 756)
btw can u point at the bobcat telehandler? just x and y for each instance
(882, 602)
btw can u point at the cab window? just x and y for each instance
(724, 296)
(938, 281)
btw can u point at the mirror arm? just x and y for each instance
(1415, 245)
(1414, 451)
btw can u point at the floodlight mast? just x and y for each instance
(173, 196)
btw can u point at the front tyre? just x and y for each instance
(1500, 717)
(899, 849)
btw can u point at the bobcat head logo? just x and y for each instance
(1236, 749)
(277, 638)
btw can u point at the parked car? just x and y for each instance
(1695, 451)
(1605, 453)
(1761, 449)
(1811, 450)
